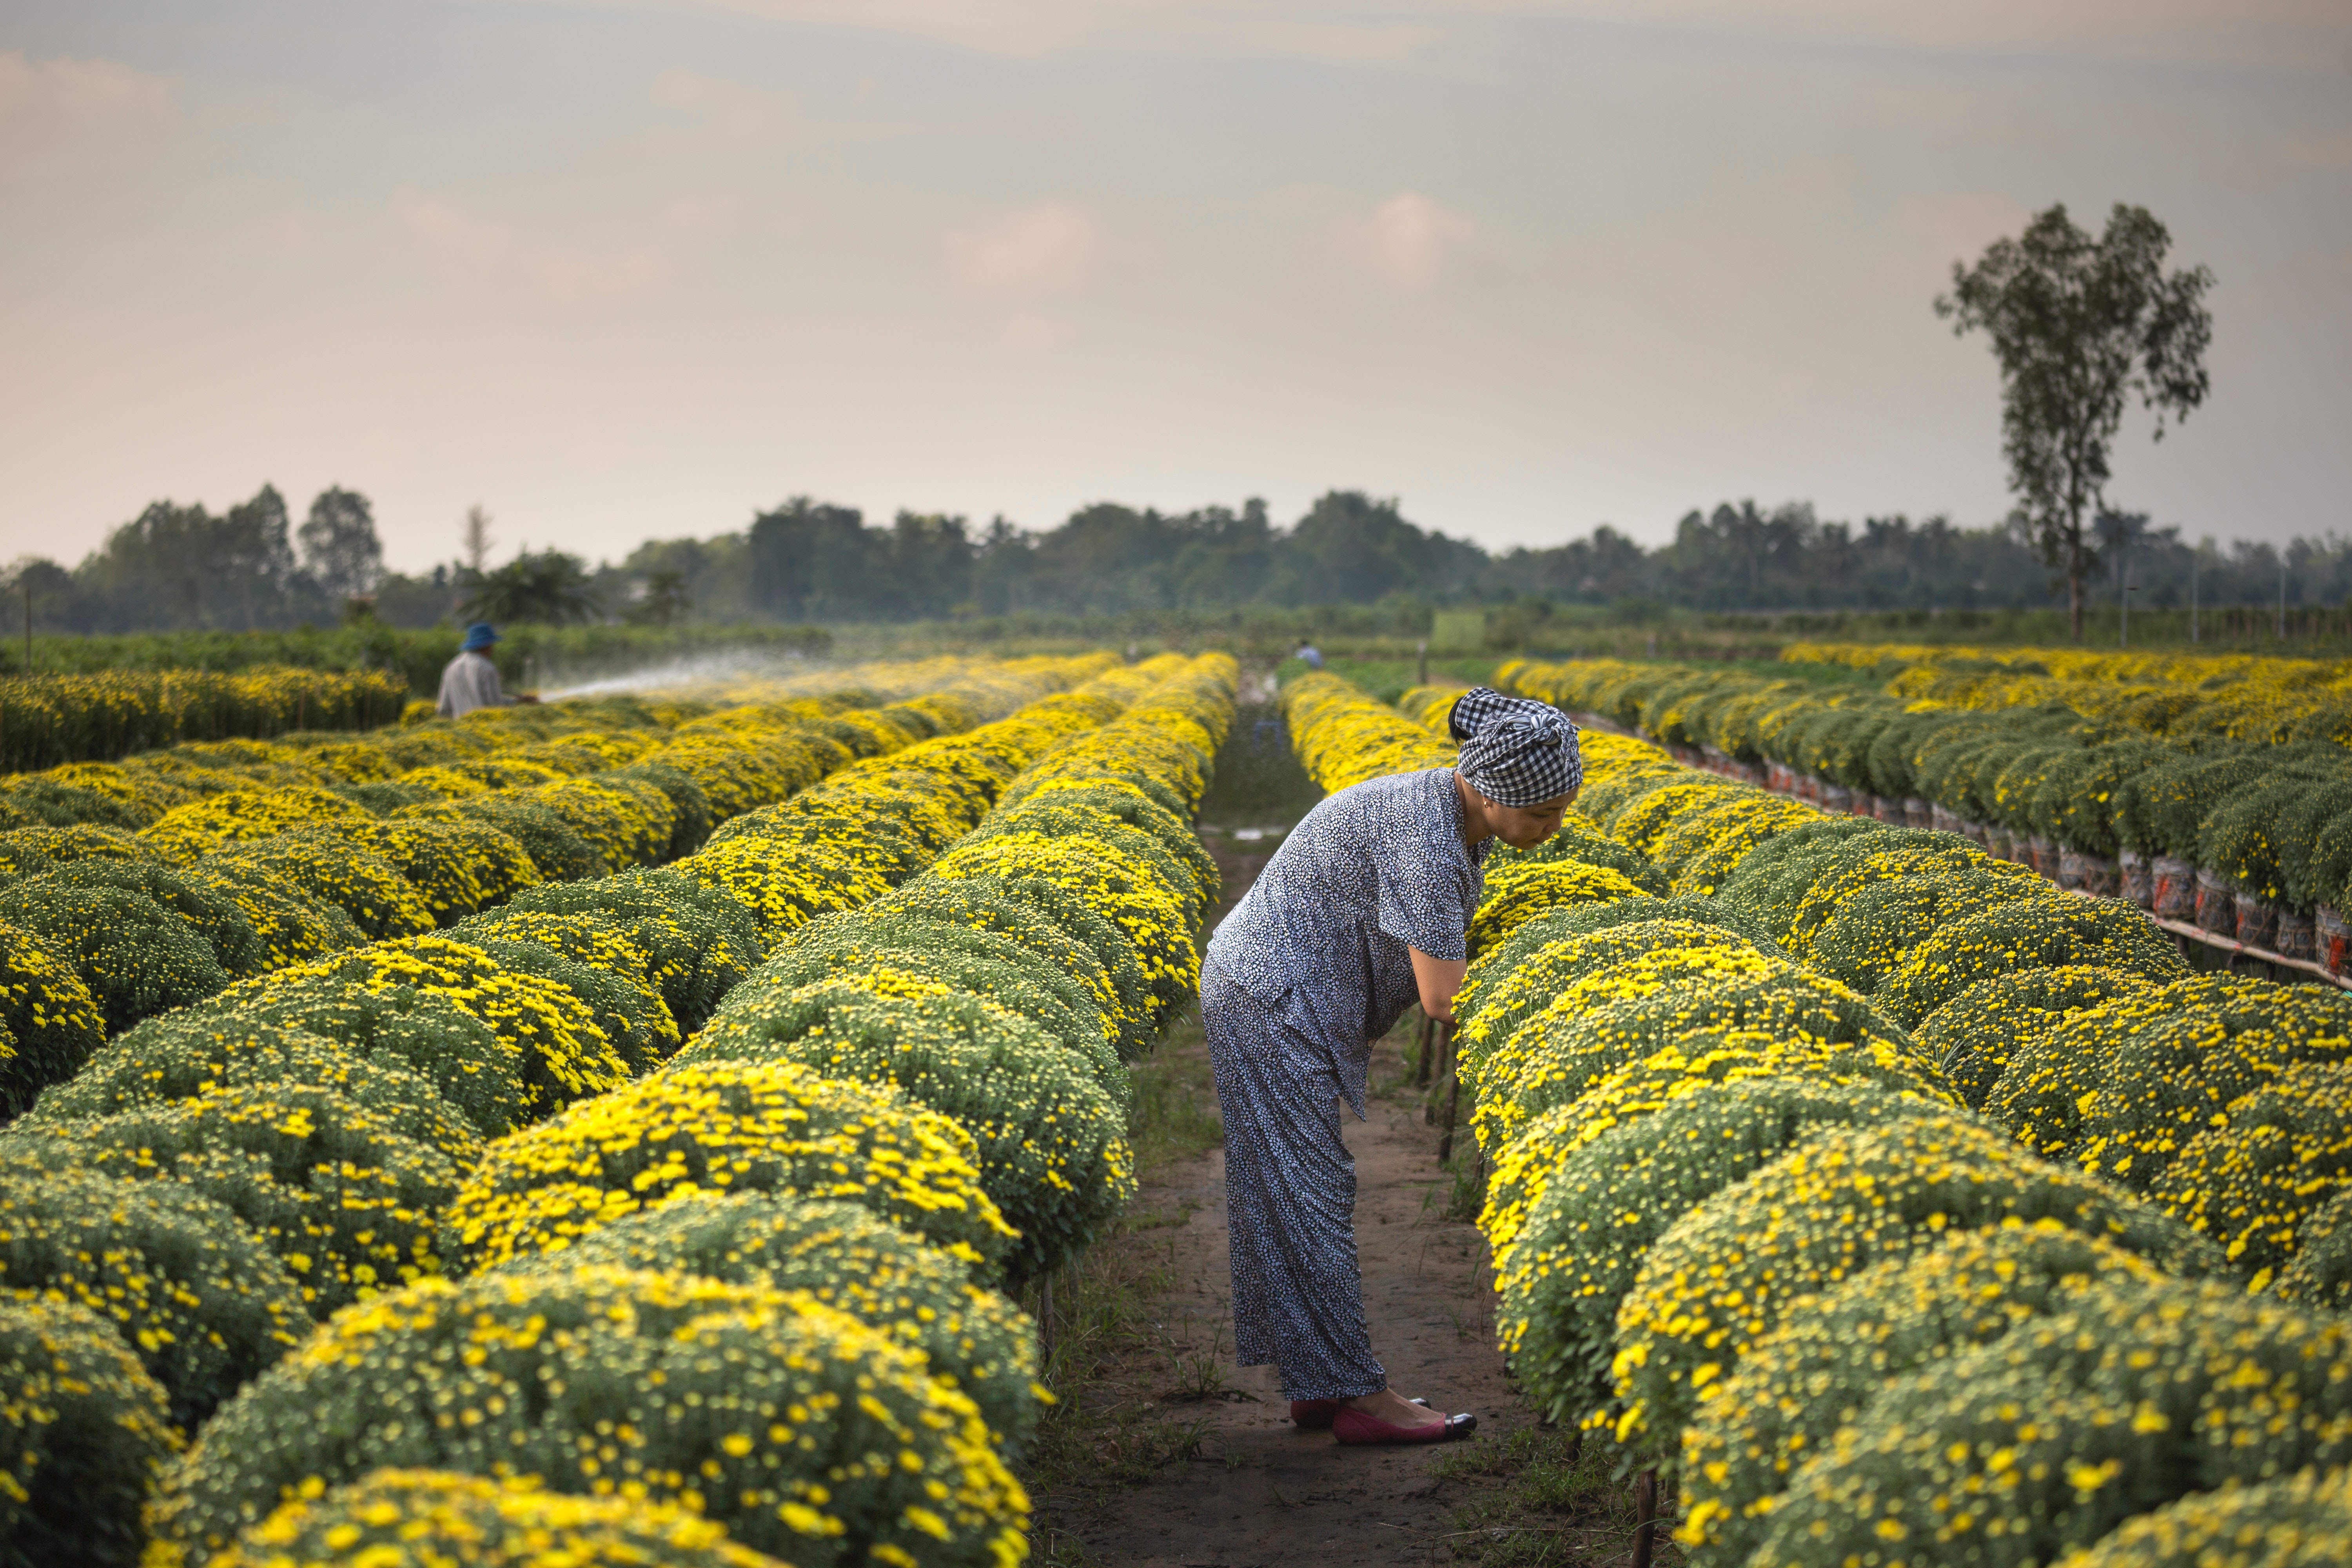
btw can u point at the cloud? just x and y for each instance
(565, 277)
(1407, 240)
(85, 89)
(733, 108)
(1046, 249)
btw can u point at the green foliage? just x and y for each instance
(808, 1435)
(380, 901)
(1878, 927)
(195, 1294)
(1578, 840)
(916, 1295)
(1767, 886)
(560, 853)
(32, 851)
(2254, 1183)
(85, 1430)
(2320, 1274)
(216, 918)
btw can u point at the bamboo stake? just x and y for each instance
(1646, 1516)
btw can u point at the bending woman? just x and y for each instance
(1364, 911)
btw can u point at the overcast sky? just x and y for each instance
(644, 267)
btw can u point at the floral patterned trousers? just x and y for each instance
(1290, 1201)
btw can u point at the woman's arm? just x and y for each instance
(1439, 979)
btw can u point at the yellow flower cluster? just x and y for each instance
(1344, 737)
(426, 1518)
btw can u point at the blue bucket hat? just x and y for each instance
(479, 635)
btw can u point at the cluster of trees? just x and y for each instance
(178, 568)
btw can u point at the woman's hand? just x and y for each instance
(1438, 978)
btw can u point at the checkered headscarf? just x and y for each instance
(1515, 751)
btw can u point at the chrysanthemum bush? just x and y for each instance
(194, 1292)
(771, 1127)
(972, 1338)
(2285, 1151)
(1516, 894)
(2029, 936)
(397, 1518)
(85, 1430)
(1822, 1369)
(348, 1203)
(2059, 1430)
(1726, 1274)
(50, 1022)
(1050, 1144)
(806, 1433)
(2302, 1521)
(1578, 1222)
(1972, 1037)
(184, 1056)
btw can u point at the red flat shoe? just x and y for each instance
(1355, 1427)
(1313, 1414)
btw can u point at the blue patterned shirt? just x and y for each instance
(1321, 939)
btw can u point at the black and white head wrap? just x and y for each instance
(1516, 750)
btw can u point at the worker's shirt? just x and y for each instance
(1323, 938)
(471, 681)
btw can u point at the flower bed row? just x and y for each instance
(47, 720)
(773, 1301)
(101, 928)
(1904, 1207)
(2249, 840)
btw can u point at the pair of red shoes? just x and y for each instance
(1353, 1426)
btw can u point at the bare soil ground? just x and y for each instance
(1166, 1455)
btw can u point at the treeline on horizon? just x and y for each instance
(180, 568)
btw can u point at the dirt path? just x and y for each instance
(1198, 1462)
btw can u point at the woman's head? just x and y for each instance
(1521, 759)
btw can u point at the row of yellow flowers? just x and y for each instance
(306, 1141)
(1748, 1220)
(47, 720)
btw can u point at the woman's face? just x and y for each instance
(1524, 826)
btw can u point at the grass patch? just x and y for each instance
(1542, 1497)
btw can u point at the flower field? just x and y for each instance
(2216, 791)
(1900, 1204)
(602, 1132)
(45, 719)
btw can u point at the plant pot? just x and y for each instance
(1779, 778)
(1836, 797)
(2217, 903)
(2093, 874)
(1808, 789)
(2257, 923)
(1943, 818)
(1996, 841)
(2138, 880)
(1977, 834)
(2044, 853)
(2334, 939)
(2298, 937)
(1865, 804)
(1918, 813)
(2174, 894)
(1714, 759)
(1890, 810)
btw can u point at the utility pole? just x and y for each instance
(2123, 601)
(28, 626)
(2281, 608)
(2192, 595)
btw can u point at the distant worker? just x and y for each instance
(1309, 655)
(471, 680)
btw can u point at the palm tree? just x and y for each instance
(548, 587)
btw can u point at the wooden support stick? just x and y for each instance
(1646, 1516)
(1421, 1068)
(1045, 1326)
(1453, 1093)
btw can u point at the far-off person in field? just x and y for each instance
(1309, 655)
(471, 680)
(1363, 911)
